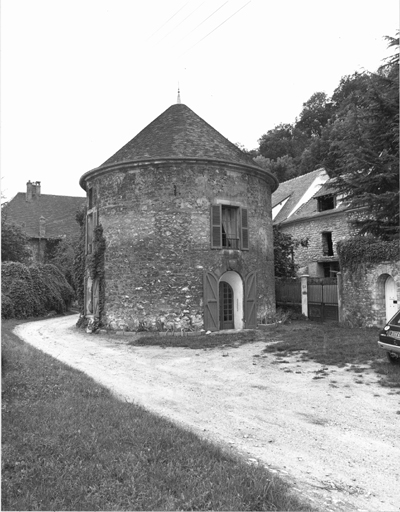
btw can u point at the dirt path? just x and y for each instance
(337, 438)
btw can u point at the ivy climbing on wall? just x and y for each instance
(95, 265)
(79, 260)
(364, 251)
(89, 265)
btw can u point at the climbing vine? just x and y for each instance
(95, 263)
(91, 265)
(79, 260)
(366, 250)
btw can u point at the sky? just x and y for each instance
(80, 78)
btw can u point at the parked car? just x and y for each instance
(389, 339)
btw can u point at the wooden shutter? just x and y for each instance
(250, 290)
(245, 229)
(216, 226)
(86, 234)
(211, 310)
(94, 226)
(95, 218)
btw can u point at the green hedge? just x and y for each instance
(33, 291)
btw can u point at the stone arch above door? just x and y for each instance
(386, 297)
(390, 297)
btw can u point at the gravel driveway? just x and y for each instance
(335, 437)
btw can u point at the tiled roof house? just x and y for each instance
(309, 207)
(43, 217)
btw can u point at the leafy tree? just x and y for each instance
(276, 142)
(251, 152)
(284, 247)
(355, 136)
(14, 243)
(365, 149)
(315, 115)
(61, 254)
(79, 263)
(283, 168)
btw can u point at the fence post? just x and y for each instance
(304, 296)
(340, 295)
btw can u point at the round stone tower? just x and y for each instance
(186, 218)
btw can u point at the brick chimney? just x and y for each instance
(32, 190)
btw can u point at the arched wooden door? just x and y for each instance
(390, 297)
(226, 306)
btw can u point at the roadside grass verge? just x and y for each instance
(68, 444)
(200, 341)
(331, 344)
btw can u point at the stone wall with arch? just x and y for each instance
(364, 301)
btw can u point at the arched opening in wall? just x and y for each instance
(390, 297)
(386, 298)
(231, 301)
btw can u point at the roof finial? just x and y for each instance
(178, 100)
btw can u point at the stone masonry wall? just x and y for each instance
(363, 293)
(336, 222)
(156, 222)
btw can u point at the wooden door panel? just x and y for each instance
(211, 313)
(250, 291)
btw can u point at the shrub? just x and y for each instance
(7, 309)
(33, 291)
(14, 243)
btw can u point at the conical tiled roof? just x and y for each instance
(179, 133)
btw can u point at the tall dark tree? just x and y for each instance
(365, 149)
(284, 247)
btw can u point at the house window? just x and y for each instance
(326, 203)
(327, 245)
(229, 227)
(331, 269)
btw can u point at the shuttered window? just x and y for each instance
(216, 227)
(229, 227)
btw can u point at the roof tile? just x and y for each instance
(58, 211)
(179, 132)
(294, 189)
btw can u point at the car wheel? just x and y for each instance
(394, 359)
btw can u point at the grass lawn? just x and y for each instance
(331, 344)
(326, 343)
(200, 341)
(68, 444)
